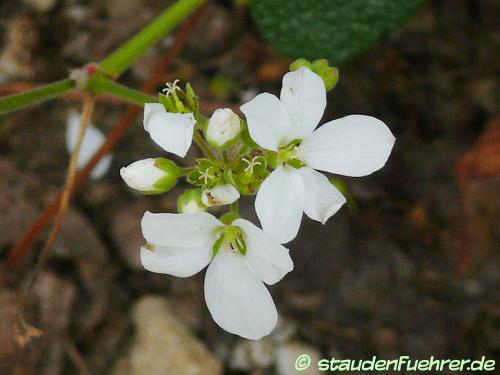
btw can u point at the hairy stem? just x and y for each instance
(123, 57)
(99, 84)
(14, 102)
(200, 142)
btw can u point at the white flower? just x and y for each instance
(92, 141)
(150, 175)
(183, 244)
(220, 195)
(354, 145)
(223, 127)
(171, 131)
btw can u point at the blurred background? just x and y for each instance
(410, 267)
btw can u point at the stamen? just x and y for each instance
(205, 176)
(171, 88)
(251, 164)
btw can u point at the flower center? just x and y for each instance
(288, 155)
(232, 237)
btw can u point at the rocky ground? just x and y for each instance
(413, 267)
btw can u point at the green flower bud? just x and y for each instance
(329, 74)
(190, 202)
(299, 63)
(151, 176)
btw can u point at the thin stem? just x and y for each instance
(99, 84)
(235, 208)
(185, 171)
(200, 142)
(87, 111)
(121, 59)
(19, 251)
(14, 102)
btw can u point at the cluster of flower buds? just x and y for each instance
(274, 153)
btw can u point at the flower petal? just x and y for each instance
(280, 202)
(354, 145)
(237, 300)
(323, 199)
(172, 131)
(220, 195)
(268, 122)
(92, 141)
(176, 261)
(267, 259)
(179, 230)
(149, 110)
(303, 95)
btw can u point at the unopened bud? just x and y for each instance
(151, 176)
(300, 63)
(329, 74)
(220, 195)
(223, 128)
(190, 202)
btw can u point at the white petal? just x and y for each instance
(179, 230)
(177, 261)
(149, 110)
(172, 131)
(303, 95)
(237, 300)
(280, 202)
(92, 141)
(354, 145)
(323, 199)
(268, 122)
(220, 195)
(267, 259)
(223, 127)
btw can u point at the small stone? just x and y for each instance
(248, 355)
(163, 345)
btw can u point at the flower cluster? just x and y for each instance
(275, 153)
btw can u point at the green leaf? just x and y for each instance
(332, 29)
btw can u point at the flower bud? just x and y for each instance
(299, 63)
(223, 128)
(329, 74)
(190, 202)
(151, 176)
(219, 195)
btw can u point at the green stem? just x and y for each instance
(124, 56)
(200, 142)
(235, 208)
(14, 102)
(99, 84)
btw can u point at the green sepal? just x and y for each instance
(299, 63)
(190, 195)
(172, 173)
(329, 74)
(217, 245)
(352, 204)
(192, 101)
